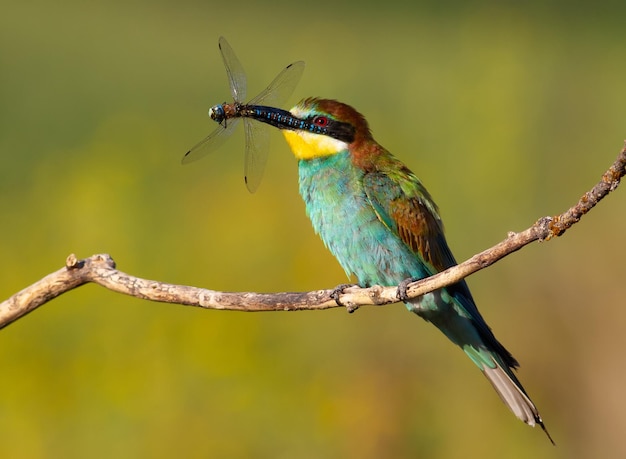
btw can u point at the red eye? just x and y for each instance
(320, 121)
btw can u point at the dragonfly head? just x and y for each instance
(217, 113)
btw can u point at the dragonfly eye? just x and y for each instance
(320, 121)
(217, 113)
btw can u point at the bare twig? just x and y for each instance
(100, 269)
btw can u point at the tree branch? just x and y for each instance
(101, 270)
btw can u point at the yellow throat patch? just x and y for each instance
(307, 145)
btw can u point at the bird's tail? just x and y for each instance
(508, 387)
(473, 335)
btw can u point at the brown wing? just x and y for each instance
(405, 207)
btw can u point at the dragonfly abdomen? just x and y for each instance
(276, 117)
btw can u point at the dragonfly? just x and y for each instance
(260, 108)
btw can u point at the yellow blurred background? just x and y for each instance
(507, 111)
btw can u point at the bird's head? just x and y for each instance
(325, 127)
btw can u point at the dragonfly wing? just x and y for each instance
(257, 150)
(234, 69)
(211, 142)
(279, 90)
(257, 133)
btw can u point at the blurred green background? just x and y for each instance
(507, 111)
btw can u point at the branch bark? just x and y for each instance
(101, 270)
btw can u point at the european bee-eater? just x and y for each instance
(381, 224)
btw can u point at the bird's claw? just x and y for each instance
(336, 294)
(403, 287)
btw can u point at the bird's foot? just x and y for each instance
(403, 286)
(336, 293)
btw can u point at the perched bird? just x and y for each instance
(381, 224)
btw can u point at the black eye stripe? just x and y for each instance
(324, 125)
